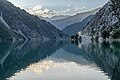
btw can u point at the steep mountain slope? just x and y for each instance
(61, 24)
(76, 27)
(106, 23)
(4, 33)
(26, 25)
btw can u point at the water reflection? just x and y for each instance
(61, 60)
(106, 55)
(16, 57)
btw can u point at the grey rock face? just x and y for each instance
(104, 19)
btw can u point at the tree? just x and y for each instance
(116, 7)
(77, 36)
(116, 34)
(105, 34)
(72, 37)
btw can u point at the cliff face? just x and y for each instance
(107, 19)
(26, 25)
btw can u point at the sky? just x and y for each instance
(48, 8)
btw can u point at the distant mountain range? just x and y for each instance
(76, 27)
(17, 24)
(59, 17)
(62, 23)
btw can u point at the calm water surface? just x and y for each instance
(59, 60)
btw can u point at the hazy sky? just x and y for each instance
(60, 6)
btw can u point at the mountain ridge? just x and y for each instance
(105, 23)
(22, 23)
(58, 17)
(61, 24)
(76, 27)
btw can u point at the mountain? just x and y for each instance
(76, 27)
(105, 23)
(17, 22)
(17, 56)
(45, 14)
(38, 10)
(4, 32)
(61, 24)
(55, 17)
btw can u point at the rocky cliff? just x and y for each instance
(106, 22)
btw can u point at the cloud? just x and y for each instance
(83, 7)
(67, 10)
(79, 8)
(38, 7)
(39, 11)
(69, 5)
(64, 11)
(45, 12)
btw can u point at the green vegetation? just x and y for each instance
(116, 34)
(72, 37)
(105, 34)
(75, 37)
(116, 6)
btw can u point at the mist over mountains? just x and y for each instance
(62, 23)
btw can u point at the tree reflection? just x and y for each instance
(17, 56)
(106, 55)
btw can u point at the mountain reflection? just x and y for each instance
(106, 55)
(41, 55)
(16, 57)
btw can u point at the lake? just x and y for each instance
(59, 60)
